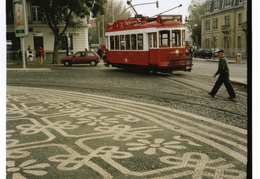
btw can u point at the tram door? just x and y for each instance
(153, 48)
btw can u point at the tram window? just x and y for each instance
(127, 40)
(176, 36)
(133, 41)
(112, 42)
(122, 42)
(117, 42)
(183, 37)
(150, 40)
(140, 41)
(164, 38)
(153, 40)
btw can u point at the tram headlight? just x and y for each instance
(177, 52)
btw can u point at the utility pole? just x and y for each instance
(113, 14)
(21, 23)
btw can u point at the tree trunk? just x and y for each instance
(55, 55)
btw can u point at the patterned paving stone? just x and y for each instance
(62, 134)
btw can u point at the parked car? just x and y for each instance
(206, 52)
(81, 57)
(215, 54)
(197, 52)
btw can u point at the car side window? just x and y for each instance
(80, 54)
(89, 54)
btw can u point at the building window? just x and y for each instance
(239, 42)
(207, 42)
(36, 14)
(228, 3)
(227, 20)
(207, 6)
(63, 43)
(240, 1)
(13, 41)
(226, 42)
(207, 24)
(215, 23)
(216, 4)
(239, 19)
(215, 41)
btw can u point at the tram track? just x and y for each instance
(201, 86)
(138, 94)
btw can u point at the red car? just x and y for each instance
(81, 57)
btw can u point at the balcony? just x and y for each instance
(36, 20)
(31, 20)
(225, 29)
(244, 26)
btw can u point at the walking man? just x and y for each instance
(223, 72)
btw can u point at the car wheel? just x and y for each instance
(93, 63)
(67, 63)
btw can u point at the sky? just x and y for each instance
(164, 5)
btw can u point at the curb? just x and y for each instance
(239, 82)
(28, 69)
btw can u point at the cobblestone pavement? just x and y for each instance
(61, 134)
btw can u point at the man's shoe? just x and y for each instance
(232, 99)
(211, 95)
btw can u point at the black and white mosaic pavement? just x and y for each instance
(62, 134)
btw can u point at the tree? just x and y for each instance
(63, 14)
(196, 9)
(119, 13)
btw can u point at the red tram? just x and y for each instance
(151, 44)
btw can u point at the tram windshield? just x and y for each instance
(164, 38)
(176, 38)
(172, 38)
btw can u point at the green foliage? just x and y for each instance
(63, 14)
(119, 13)
(196, 9)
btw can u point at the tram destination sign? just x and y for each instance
(20, 18)
(124, 24)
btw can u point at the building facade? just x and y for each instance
(40, 35)
(224, 26)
